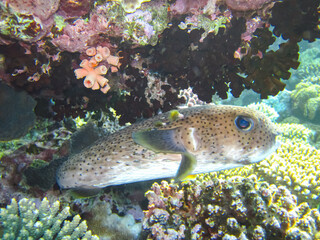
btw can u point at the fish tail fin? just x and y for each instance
(43, 175)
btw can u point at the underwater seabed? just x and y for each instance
(274, 199)
(148, 56)
(277, 198)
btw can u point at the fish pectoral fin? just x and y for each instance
(84, 192)
(187, 165)
(159, 140)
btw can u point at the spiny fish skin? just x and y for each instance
(210, 133)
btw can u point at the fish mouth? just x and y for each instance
(266, 153)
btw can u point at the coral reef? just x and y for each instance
(309, 69)
(23, 220)
(237, 208)
(301, 22)
(241, 5)
(41, 145)
(297, 133)
(197, 49)
(280, 103)
(306, 100)
(96, 66)
(16, 113)
(266, 68)
(190, 97)
(109, 225)
(266, 110)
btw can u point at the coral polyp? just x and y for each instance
(237, 208)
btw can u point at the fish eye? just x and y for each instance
(244, 124)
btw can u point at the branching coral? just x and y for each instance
(297, 133)
(23, 220)
(93, 69)
(266, 110)
(238, 208)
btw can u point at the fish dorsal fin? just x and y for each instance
(159, 140)
(187, 165)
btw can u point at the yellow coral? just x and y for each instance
(294, 132)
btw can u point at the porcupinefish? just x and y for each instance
(178, 143)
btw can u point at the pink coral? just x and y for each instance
(96, 66)
(246, 5)
(76, 36)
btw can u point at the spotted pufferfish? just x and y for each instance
(174, 144)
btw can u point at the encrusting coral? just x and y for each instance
(96, 66)
(237, 208)
(22, 220)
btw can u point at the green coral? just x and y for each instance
(306, 99)
(16, 25)
(237, 208)
(140, 27)
(22, 220)
(131, 6)
(205, 23)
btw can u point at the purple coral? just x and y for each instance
(238, 208)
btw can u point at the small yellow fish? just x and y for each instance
(190, 141)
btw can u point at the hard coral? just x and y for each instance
(92, 71)
(294, 165)
(238, 208)
(22, 220)
(306, 99)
